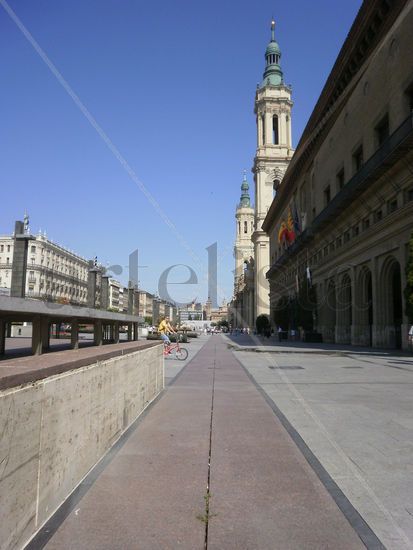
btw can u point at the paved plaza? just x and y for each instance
(353, 409)
(250, 450)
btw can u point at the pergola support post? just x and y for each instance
(74, 334)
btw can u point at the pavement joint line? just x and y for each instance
(357, 522)
(208, 489)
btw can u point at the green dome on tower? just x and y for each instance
(273, 75)
(245, 201)
(273, 48)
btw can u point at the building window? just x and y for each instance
(366, 223)
(340, 179)
(325, 250)
(245, 227)
(2, 248)
(409, 195)
(239, 228)
(338, 242)
(314, 212)
(378, 215)
(327, 195)
(275, 136)
(7, 260)
(356, 230)
(358, 158)
(346, 236)
(8, 248)
(392, 206)
(382, 130)
(33, 249)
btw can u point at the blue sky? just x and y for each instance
(172, 85)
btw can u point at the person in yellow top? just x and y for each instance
(164, 329)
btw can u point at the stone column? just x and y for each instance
(2, 336)
(98, 332)
(104, 298)
(131, 292)
(268, 128)
(91, 285)
(405, 327)
(130, 332)
(376, 329)
(37, 344)
(74, 336)
(135, 331)
(282, 130)
(19, 262)
(288, 130)
(259, 130)
(116, 332)
(45, 334)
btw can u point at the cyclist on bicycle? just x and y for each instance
(164, 329)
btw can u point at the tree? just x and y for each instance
(408, 291)
(262, 324)
(148, 320)
(223, 323)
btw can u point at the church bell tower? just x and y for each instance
(244, 215)
(274, 151)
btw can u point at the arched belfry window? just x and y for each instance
(245, 227)
(275, 137)
(263, 128)
(239, 228)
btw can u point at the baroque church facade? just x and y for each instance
(274, 151)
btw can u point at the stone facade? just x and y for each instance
(274, 150)
(53, 272)
(242, 304)
(346, 201)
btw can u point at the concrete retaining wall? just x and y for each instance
(53, 431)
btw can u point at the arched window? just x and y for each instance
(252, 227)
(263, 128)
(239, 228)
(275, 137)
(245, 227)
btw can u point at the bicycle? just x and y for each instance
(175, 349)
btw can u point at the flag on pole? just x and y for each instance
(297, 221)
